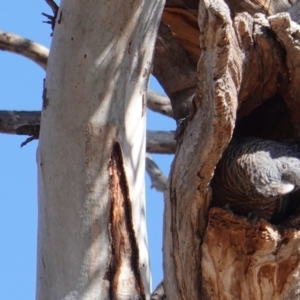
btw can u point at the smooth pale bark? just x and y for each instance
(92, 241)
(28, 123)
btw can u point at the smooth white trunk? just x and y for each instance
(92, 241)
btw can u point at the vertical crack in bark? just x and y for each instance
(123, 271)
(175, 239)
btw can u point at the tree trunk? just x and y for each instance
(248, 84)
(92, 241)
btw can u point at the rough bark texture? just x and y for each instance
(247, 85)
(209, 131)
(257, 261)
(92, 241)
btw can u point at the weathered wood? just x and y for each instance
(288, 34)
(17, 44)
(10, 121)
(209, 131)
(263, 65)
(159, 103)
(185, 28)
(247, 63)
(158, 180)
(174, 71)
(245, 261)
(268, 7)
(160, 142)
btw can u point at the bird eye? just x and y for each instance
(283, 166)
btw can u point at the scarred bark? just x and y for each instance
(123, 271)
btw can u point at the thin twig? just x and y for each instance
(51, 19)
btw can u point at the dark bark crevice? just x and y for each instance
(123, 237)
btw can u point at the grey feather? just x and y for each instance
(255, 175)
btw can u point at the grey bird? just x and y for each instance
(255, 176)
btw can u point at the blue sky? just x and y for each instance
(21, 89)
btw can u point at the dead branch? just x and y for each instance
(159, 181)
(159, 292)
(160, 142)
(10, 121)
(17, 44)
(28, 123)
(159, 103)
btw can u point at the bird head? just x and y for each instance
(289, 168)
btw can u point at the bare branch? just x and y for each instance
(11, 121)
(39, 54)
(159, 103)
(51, 19)
(28, 123)
(53, 6)
(17, 44)
(158, 179)
(159, 292)
(160, 142)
